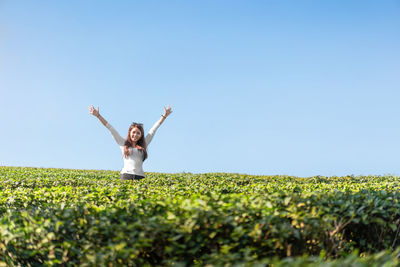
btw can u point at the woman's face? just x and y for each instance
(135, 134)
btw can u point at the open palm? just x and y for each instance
(167, 111)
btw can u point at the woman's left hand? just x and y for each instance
(167, 111)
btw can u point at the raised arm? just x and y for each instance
(149, 136)
(95, 112)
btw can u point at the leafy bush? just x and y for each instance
(91, 218)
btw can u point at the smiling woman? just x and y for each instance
(134, 147)
(135, 139)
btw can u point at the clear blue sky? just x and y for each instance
(257, 87)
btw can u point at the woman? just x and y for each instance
(134, 147)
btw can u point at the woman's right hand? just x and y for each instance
(93, 111)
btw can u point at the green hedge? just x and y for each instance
(90, 218)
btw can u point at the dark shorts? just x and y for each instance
(127, 176)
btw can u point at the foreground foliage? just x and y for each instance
(91, 218)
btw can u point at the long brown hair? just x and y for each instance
(140, 144)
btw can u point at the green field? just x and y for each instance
(62, 217)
